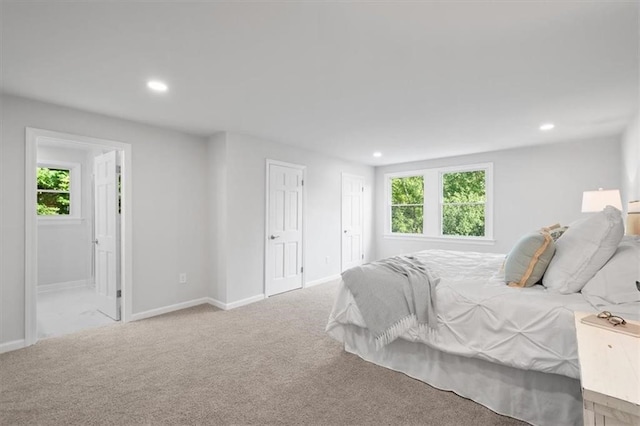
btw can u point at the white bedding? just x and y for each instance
(480, 317)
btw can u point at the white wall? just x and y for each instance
(533, 187)
(170, 207)
(64, 248)
(630, 155)
(245, 206)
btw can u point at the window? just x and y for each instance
(446, 203)
(57, 193)
(54, 195)
(407, 204)
(463, 203)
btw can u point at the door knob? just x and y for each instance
(345, 231)
(273, 237)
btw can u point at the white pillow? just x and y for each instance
(583, 249)
(616, 281)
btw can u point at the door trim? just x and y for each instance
(32, 136)
(341, 217)
(268, 164)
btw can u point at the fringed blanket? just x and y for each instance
(393, 295)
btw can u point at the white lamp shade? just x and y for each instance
(596, 201)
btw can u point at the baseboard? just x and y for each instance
(259, 297)
(63, 286)
(166, 309)
(237, 304)
(12, 346)
(218, 304)
(323, 280)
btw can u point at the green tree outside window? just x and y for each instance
(53, 194)
(463, 203)
(407, 205)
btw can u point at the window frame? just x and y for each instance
(75, 192)
(433, 204)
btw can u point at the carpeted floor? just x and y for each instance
(266, 363)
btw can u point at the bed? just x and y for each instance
(510, 349)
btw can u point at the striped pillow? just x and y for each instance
(529, 258)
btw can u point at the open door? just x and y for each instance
(352, 218)
(107, 233)
(283, 267)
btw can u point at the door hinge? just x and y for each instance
(119, 293)
(118, 169)
(362, 256)
(363, 189)
(301, 269)
(302, 182)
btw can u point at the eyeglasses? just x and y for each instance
(613, 319)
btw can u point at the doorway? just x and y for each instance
(352, 220)
(76, 275)
(71, 219)
(284, 221)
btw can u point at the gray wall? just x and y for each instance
(217, 150)
(198, 207)
(243, 201)
(630, 156)
(169, 209)
(533, 187)
(199, 203)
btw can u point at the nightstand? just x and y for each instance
(610, 375)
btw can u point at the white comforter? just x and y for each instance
(480, 317)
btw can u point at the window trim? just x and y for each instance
(432, 210)
(75, 193)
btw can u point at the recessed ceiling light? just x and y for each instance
(547, 126)
(157, 86)
(377, 154)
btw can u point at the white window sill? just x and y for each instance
(60, 220)
(455, 240)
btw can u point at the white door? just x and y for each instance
(283, 270)
(352, 227)
(107, 233)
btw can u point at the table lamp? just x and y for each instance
(596, 201)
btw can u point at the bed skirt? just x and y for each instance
(535, 397)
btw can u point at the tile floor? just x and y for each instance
(67, 311)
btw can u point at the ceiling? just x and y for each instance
(413, 80)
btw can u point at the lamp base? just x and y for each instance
(633, 223)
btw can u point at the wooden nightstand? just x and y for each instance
(610, 375)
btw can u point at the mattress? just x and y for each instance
(480, 317)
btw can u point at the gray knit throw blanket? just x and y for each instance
(393, 295)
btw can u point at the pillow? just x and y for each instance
(616, 281)
(528, 259)
(556, 231)
(583, 249)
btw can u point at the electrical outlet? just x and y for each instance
(182, 278)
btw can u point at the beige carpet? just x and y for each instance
(266, 363)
